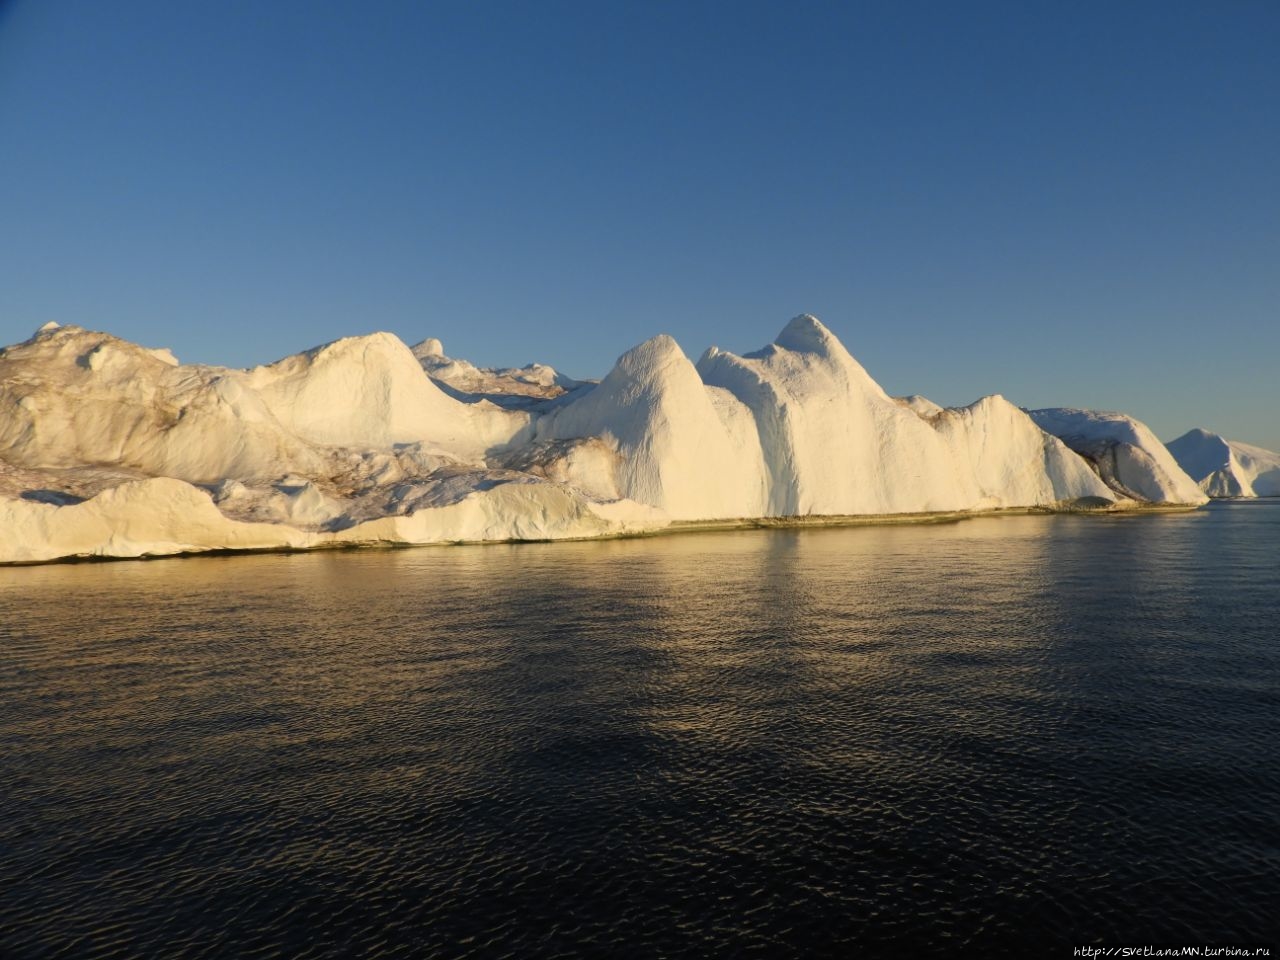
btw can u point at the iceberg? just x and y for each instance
(1227, 468)
(1124, 451)
(111, 449)
(834, 443)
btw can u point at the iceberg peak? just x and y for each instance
(1227, 468)
(805, 334)
(359, 345)
(430, 347)
(1197, 433)
(652, 355)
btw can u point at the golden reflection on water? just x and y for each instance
(891, 729)
(727, 635)
(719, 625)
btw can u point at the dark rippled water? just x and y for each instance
(999, 737)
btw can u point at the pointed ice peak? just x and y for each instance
(1200, 453)
(51, 325)
(1197, 433)
(357, 346)
(1227, 468)
(654, 354)
(805, 334)
(663, 343)
(804, 353)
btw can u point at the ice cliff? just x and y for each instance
(1124, 451)
(108, 448)
(1227, 468)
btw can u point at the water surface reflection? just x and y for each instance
(994, 733)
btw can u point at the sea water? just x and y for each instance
(1003, 736)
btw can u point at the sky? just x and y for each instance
(1071, 204)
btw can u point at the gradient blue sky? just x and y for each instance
(1067, 203)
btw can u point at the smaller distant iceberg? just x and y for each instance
(1227, 468)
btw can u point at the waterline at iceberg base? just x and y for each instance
(110, 449)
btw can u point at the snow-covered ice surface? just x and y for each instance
(1125, 453)
(107, 449)
(833, 442)
(111, 449)
(1227, 468)
(511, 387)
(921, 405)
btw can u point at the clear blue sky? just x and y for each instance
(1072, 203)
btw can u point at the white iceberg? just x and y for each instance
(1125, 453)
(1227, 468)
(112, 449)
